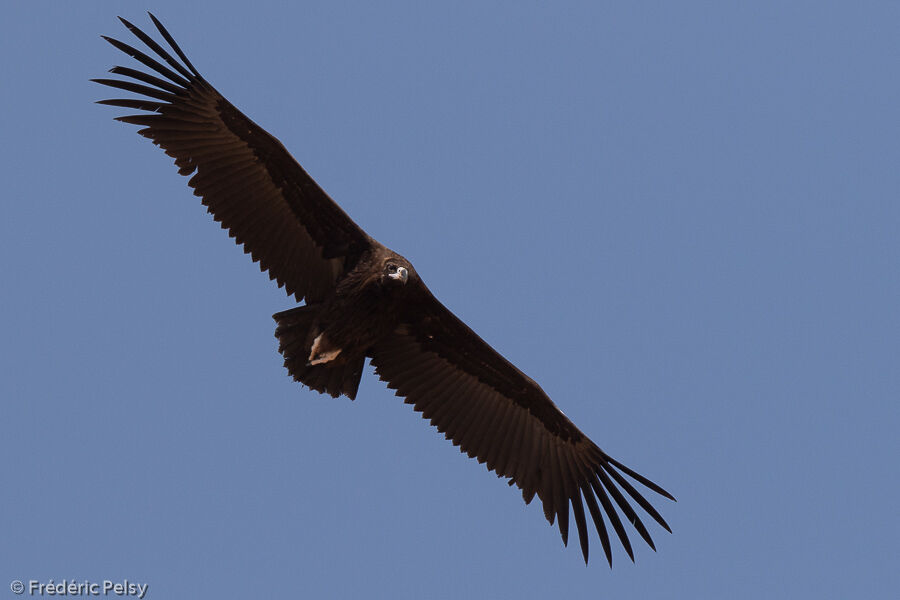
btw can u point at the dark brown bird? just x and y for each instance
(363, 300)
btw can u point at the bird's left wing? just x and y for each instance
(498, 415)
(246, 178)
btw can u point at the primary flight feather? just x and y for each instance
(361, 300)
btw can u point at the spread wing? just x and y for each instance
(245, 177)
(498, 415)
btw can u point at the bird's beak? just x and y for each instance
(401, 275)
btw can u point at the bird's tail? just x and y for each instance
(295, 340)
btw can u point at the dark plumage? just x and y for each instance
(364, 300)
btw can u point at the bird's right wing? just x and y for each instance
(246, 178)
(498, 415)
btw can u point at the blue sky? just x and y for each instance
(681, 219)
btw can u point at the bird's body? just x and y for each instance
(325, 344)
(362, 300)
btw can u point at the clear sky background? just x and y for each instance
(681, 218)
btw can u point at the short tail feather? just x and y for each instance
(294, 333)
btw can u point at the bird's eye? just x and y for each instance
(392, 268)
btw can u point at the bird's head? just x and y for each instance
(396, 271)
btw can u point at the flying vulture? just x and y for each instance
(361, 299)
